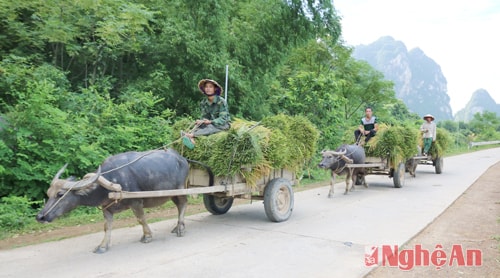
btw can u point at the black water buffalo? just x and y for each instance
(133, 171)
(336, 161)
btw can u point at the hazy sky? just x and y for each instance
(462, 36)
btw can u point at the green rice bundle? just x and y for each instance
(439, 147)
(278, 150)
(252, 149)
(398, 143)
(301, 138)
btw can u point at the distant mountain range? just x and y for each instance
(480, 101)
(418, 80)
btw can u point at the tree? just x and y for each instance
(360, 84)
(323, 82)
(486, 126)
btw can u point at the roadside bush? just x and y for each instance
(16, 212)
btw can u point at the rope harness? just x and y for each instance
(57, 202)
(192, 128)
(164, 147)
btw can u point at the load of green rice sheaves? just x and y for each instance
(253, 149)
(438, 147)
(398, 143)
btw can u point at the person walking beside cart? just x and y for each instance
(428, 129)
(214, 112)
(367, 128)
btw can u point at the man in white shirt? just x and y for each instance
(428, 129)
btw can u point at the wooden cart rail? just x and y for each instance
(419, 157)
(275, 189)
(366, 165)
(198, 180)
(165, 193)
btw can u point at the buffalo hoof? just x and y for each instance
(330, 195)
(345, 193)
(179, 230)
(101, 249)
(146, 238)
(365, 185)
(352, 189)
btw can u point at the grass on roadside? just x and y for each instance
(82, 216)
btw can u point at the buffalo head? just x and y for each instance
(332, 159)
(64, 194)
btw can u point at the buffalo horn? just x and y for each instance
(340, 153)
(76, 185)
(56, 177)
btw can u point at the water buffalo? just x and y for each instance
(133, 171)
(336, 161)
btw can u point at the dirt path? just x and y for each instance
(472, 221)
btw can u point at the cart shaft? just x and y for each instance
(166, 193)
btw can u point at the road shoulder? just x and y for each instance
(472, 221)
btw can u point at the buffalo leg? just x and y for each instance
(108, 226)
(332, 183)
(347, 181)
(363, 178)
(181, 203)
(354, 176)
(138, 210)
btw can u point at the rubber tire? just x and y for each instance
(399, 175)
(278, 200)
(438, 165)
(411, 167)
(217, 205)
(359, 180)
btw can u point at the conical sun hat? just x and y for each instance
(429, 116)
(201, 86)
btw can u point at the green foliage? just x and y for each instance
(398, 143)
(301, 140)
(228, 152)
(47, 126)
(324, 83)
(274, 143)
(307, 89)
(486, 126)
(83, 80)
(16, 212)
(442, 143)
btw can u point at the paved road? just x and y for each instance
(323, 238)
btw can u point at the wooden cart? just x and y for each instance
(274, 189)
(412, 163)
(381, 166)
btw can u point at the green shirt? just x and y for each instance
(216, 111)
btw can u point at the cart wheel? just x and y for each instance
(278, 200)
(360, 179)
(438, 165)
(399, 175)
(411, 166)
(217, 205)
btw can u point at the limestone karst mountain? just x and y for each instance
(480, 101)
(418, 79)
